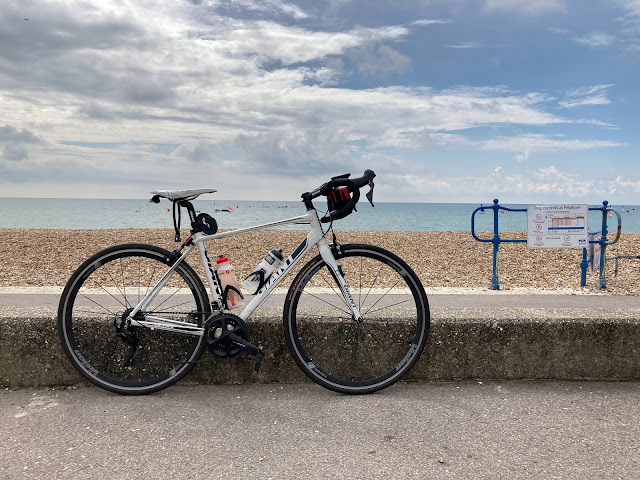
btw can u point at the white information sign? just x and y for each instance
(557, 226)
(595, 250)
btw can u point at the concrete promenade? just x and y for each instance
(464, 430)
(456, 417)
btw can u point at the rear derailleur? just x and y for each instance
(126, 336)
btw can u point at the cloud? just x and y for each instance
(513, 183)
(271, 7)
(629, 26)
(589, 90)
(599, 123)
(535, 143)
(465, 45)
(524, 145)
(288, 44)
(12, 134)
(171, 91)
(526, 7)
(426, 21)
(593, 95)
(198, 151)
(592, 100)
(15, 152)
(297, 152)
(14, 143)
(627, 184)
(596, 39)
(372, 59)
(548, 183)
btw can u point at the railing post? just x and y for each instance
(496, 240)
(495, 283)
(583, 267)
(602, 281)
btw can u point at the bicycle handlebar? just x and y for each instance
(353, 185)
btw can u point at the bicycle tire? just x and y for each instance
(339, 353)
(95, 303)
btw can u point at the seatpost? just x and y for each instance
(192, 214)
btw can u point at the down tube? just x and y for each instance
(312, 238)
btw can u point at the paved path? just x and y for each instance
(492, 300)
(514, 430)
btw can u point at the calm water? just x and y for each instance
(97, 214)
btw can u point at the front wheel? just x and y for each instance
(95, 333)
(341, 353)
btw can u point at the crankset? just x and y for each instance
(227, 335)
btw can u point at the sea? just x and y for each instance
(79, 214)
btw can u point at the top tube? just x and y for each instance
(300, 220)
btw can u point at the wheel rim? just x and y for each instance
(94, 328)
(341, 353)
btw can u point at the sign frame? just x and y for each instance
(557, 226)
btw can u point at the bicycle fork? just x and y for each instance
(327, 255)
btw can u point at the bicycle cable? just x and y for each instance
(176, 224)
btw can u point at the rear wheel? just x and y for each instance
(334, 349)
(93, 311)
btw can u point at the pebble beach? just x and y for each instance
(444, 261)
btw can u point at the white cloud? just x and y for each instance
(629, 30)
(268, 7)
(542, 184)
(12, 134)
(527, 7)
(372, 59)
(297, 152)
(593, 100)
(599, 123)
(465, 45)
(288, 44)
(627, 184)
(512, 183)
(426, 21)
(254, 85)
(15, 152)
(596, 39)
(594, 95)
(589, 90)
(534, 143)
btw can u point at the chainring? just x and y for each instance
(217, 331)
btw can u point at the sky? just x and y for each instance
(446, 100)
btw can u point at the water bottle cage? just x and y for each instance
(225, 294)
(262, 280)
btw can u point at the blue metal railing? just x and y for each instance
(497, 240)
(602, 281)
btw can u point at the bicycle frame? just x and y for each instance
(316, 236)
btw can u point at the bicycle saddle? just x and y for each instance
(176, 195)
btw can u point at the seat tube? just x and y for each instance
(214, 288)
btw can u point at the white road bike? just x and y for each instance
(135, 318)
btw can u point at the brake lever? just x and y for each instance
(370, 194)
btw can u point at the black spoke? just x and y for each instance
(361, 355)
(337, 307)
(101, 343)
